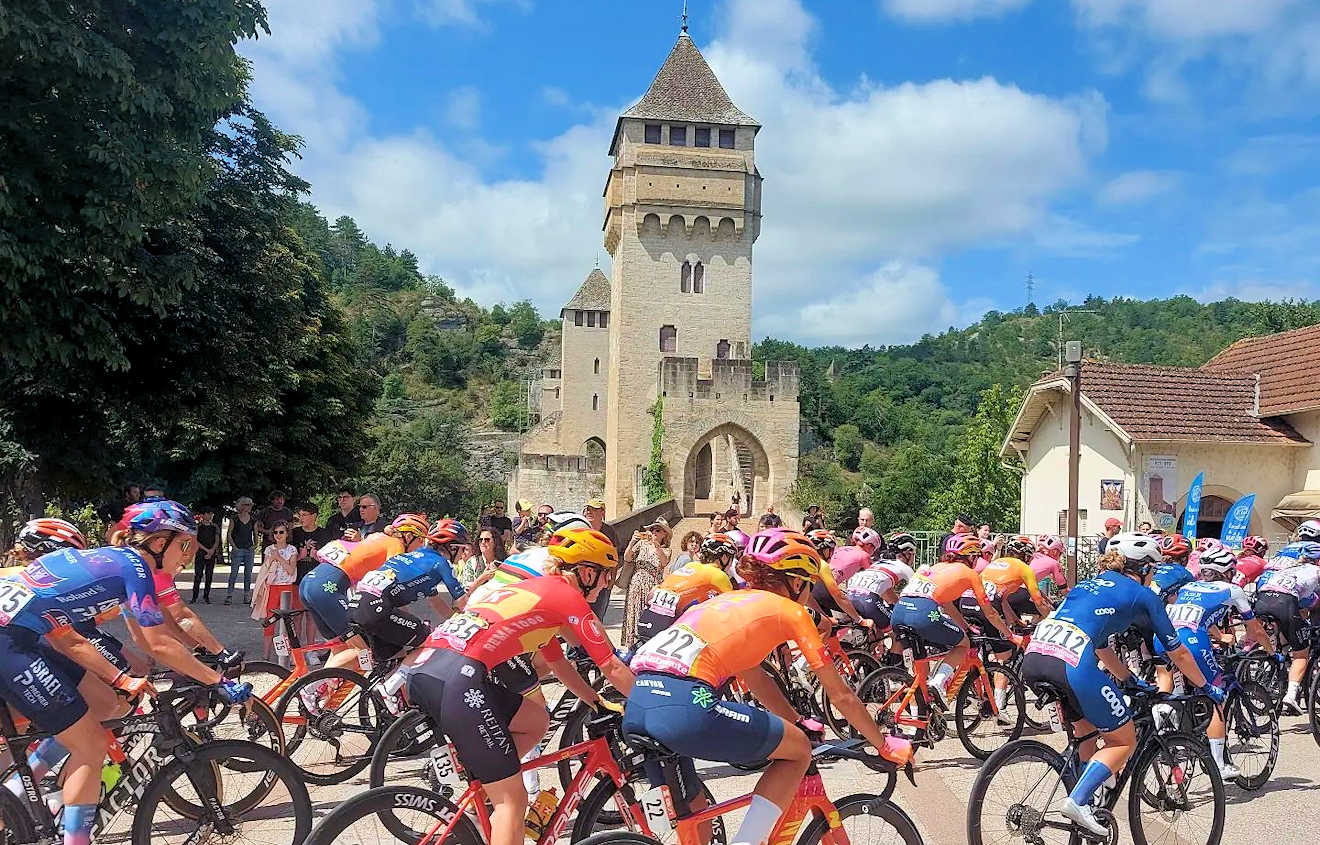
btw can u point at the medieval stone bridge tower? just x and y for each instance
(682, 210)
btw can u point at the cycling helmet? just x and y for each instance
(865, 536)
(1308, 551)
(1136, 547)
(565, 520)
(823, 539)
(962, 545)
(1204, 544)
(790, 552)
(739, 538)
(576, 546)
(718, 545)
(1255, 545)
(1217, 560)
(446, 532)
(1050, 545)
(1309, 530)
(159, 515)
(901, 541)
(410, 526)
(1169, 578)
(1174, 547)
(45, 535)
(1021, 548)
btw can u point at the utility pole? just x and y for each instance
(1073, 372)
(1031, 288)
(1063, 315)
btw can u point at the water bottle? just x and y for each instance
(540, 813)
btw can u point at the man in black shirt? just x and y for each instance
(347, 516)
(373, 521)
(208, 552)
(274, 514)
(503, 524)
(307, 537)
(814, 520)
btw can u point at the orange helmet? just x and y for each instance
(1174, 547)
(447, 531)
(791, 552)
(409, 526)
(822, 539)
(574, 546)
(963, 545)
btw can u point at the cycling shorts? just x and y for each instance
(870, 606)
(1285, 612)
(1088, 692)
(824, 599)
(650, 623)
(688, 717)
(1203, 651)
(38, 681)
(931, 624)
(471, 710)
(324, 592)
(388, 630)
(1020, 601)
(517, 674)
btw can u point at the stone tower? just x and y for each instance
(682, 210)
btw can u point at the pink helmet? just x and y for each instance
(1050, 545)
(1255, 545)
(865, 536)
(1205, 544)
(739, 538)
(788, 551)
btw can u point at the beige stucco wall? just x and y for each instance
(1306, 466)
(1231, 471)
(1045, 483)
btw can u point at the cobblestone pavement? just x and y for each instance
(1283, 812)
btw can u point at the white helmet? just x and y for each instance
(565, 521)
(1217, 560)
(1135, 546)
(1309, 530)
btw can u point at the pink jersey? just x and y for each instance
(847, 561)
(1045, 566)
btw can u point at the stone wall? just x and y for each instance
(564, 481)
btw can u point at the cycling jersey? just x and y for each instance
(729, 634)
(943, 583)
(1302, 582)
(1285, 557)
(73, 586)
(1169, 577)
(1048, 571)
(1203, 604)
(357, 559)
(878, 579)
(847, 561)
(1249, 568)
(690, 584)
(1006, 575)
(410, 577)
(522, 618)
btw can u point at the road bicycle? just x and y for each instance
(898, 697)
(1172, 776)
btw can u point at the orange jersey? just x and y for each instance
(520, 618)
(1005, 575)
(944, 583)
(689, 584)
(729, 634)
(369, 555)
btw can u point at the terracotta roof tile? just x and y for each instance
(1181, 403)
(1287, 363)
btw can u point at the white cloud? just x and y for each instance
(1186, 19)
(462, 13)
(463, 108)
(942, 11)
(1137, 186)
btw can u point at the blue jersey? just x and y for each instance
(1095, 610)
(1204, 604)
(72, 586)
(1169, 577)
(406, 578)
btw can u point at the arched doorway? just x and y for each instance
(1210, 520)
(594, 449)
(726, 459)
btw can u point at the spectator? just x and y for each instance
(503, 525)
(983, 531)
(717, 523)
(480, 563)
(373, 521)
(1112, 527)
(345, 517)
(648, 551)
(769, 520)
(154, 491)
(525, 529)
(814, 520)
(731, 518)
(594, 511)
(542, 517)
(241, 539)
(307, 538)
(276, 578)
(208, 549)
(689, 547)
(1145, 527)
(112, 512)
(865, 518)
(274, 513)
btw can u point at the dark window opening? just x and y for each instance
(699, 278)
(685, 278)
(722, 349)
(668, 338)
(595, 401)
(577, 318)
(596, 366)
(726, 139)
(701, 136)
(678, 136)
(652, 133)
(591, 319)
(604, 319)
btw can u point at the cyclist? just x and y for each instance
(874, 590)
(490, 725)
(690, 584)
(824, 541)
(1021, 599)
(1066, 652)
(928, 605)
(827, 594)
(56, 678)
(869, 539)
(1044, 563)
(1251, 563)
(324, 591)
(1282, 595)
(676, 699)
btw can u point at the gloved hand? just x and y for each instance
(1215, 691)
(229, 658)
(1279, 657)
(608, 705)
(814, 730)
(134, 687)
(1139, 684)
(234, 692)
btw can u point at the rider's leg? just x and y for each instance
(347, 657)
(1101, 769)
(508, 810)
(87, 742)
(776, 788)
(953, 662)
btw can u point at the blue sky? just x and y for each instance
(920, 156)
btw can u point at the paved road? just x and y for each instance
(1285, 811)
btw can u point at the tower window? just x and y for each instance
(604, 319)
(668, 338)
(556, 393)
(595, 401)
(685, 278)
(726, 139)
(722, 349)
(596, 367)
(577, 318)
(699, 278)
(591, 319)
(678, 136)
(701, 136)
(652, 133)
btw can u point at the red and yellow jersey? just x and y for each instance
(689, 584)
(945, 582)
(368, 555)
(521, 618)
(729, 634)
(1006, 575)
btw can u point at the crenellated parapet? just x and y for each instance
(729, 379)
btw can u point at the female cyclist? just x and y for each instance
(1068, 646)
(1283, 594)
(690, 584)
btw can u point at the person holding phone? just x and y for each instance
(648, 551)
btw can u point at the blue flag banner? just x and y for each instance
(1193, 511)
(1238, 521)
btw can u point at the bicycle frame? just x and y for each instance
(809, 800)
(299, 654)
(903, 698)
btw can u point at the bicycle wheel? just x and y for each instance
(983, 727)
(878, 688)
(333, 741)
(253, 720)
(1177, 794)
(284, 814)
(402, 752)
(1016, 796)
(1251, 730)
(263, 675)
(599, 811)
(1313, 709)
(867, 820)
(19, 827)
(359, 818)
(861, 664)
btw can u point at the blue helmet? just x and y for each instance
(1169, 578)
(160, 515)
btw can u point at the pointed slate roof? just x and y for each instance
(593, 295)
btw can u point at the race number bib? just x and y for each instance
(991, 590)
(868, 581)
(921, 587)
(336, 551)
(664, 601)
(444, 767)
(1060, 639)
(281, 644)
(13, 598)
(460, 628)
(672, 651)
(376, 582)
(1283, 582)
(1186, 615)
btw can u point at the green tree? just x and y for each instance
(848, 446)
(419, 462)
(507, 409)
(526, 324)
(654, 476)
(981, 484)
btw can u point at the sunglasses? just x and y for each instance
(487, 539)
(279, 533)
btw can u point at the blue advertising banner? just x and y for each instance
(1238, 521)
(1193, 511)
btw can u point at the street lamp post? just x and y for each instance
(1073, 371)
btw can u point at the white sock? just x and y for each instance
(532, 777)
(1001, 696)
(1217, 751)
(1294, 689)
(940, 678)
(762, 814)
